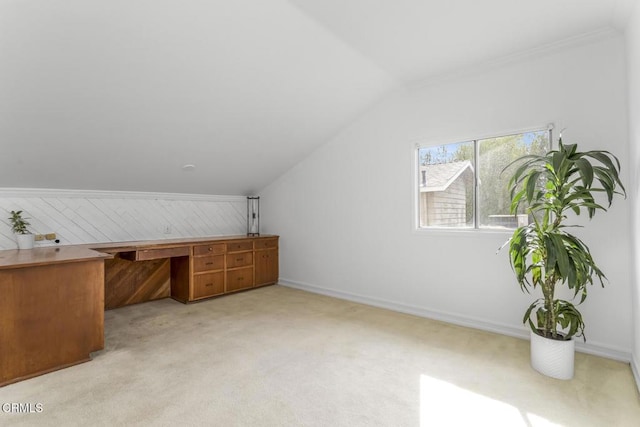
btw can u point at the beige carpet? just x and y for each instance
(279, 356)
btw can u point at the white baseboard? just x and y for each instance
(603, 350)
(635, 368)
(595, 349)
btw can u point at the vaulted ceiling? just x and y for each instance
(121, 94)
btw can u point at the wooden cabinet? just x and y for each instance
(239, 265)
(224, 266)
(266, 261)
(208, 275)
(51, 310)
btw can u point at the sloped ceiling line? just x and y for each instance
(120, 95)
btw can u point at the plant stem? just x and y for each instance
(550, 315)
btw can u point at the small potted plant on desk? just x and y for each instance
(545, 256)
(19, 227)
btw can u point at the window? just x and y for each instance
(460, 185)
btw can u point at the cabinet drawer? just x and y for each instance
(266, 243)
(240, 259)
(148, 254)
(205, 263)
(239, 279)
(239, 246)
(206, 285)
(211, 249)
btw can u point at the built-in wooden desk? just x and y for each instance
(188, 269)
(52, 300)
(51, 309)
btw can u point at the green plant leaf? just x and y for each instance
(586, 171)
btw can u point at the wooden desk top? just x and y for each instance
(14, 258)
(115, 247)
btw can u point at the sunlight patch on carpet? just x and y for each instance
(445, 404)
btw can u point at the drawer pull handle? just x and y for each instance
(209, 284)
(208, 263)
(210, 249)
(239, 259)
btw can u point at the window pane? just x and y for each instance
(494, 155)
(445, 182)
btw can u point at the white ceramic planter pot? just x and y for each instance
(25, 241)
(552, 358)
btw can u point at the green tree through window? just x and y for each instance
(447, 192)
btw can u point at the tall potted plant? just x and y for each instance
(19, 226)
(545, 256)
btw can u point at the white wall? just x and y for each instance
(345, 214)
(633, 61)
(92, 216)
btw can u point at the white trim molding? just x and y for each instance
(595, 349)
(103, 194)
(473, 69)
(635, 368)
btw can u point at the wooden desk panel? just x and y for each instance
(127, 282)
(51, 317)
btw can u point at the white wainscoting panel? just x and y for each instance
(100, 216)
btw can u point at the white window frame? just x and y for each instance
(415, 177)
